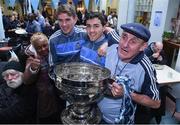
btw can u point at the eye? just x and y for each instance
(124, 36)
(97, 26)
(68, 19)
(88, 26)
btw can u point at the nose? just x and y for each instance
(91, 29)
(9, 77)
(43, 48)
(126, 43)
(64, 23)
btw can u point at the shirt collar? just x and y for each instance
(99, 39)
(69, 34)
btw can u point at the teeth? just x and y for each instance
(125, 50)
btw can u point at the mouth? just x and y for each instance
(11, 82)
(124, 49)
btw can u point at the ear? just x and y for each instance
(104, 29)
(144, 46)
(75, 19)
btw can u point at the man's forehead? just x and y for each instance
(93, 21)
(65, 15)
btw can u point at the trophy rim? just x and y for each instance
(59, 69)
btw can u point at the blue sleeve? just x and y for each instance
(148, 51)
(113, 38)
(37, 28)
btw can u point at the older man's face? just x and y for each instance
(130, 46)
(13, 78)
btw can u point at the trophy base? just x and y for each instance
(91, 117)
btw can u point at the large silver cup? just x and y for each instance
(82, 85)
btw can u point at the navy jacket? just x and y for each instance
(17, 105)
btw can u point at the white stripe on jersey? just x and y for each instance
(151, 74)
(115, 35)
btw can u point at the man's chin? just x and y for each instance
(93, 39)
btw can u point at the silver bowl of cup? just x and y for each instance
(82, 85)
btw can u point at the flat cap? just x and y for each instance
(138, 30)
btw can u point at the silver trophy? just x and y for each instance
(82, 85)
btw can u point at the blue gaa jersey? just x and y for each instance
(89, 51)
(142, 79)
(65, 48)
(76, 47)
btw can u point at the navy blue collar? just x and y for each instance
(98, 40)
(69, 34)
(137, 58)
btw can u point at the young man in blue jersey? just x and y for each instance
(93, 50)
(135, 78)
(65, 44)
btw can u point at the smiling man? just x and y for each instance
(65, 43)
(137, 83)
(95, 41)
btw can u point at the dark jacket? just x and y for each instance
(17, 105)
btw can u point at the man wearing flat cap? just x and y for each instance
(17, 101)
(135, 80)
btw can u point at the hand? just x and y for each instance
(102, 49)
(156, 55)
(117, 90)
(34, 63)
(160, 58)
(108, 29)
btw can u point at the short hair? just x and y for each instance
(14, 13)
(38, 36)
(66, 8)
(98, 15)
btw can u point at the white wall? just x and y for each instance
(2, 36)
(103, 5)
(157, 31)
(171, 13)
(126, 11)
(122, 13)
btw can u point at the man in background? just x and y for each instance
(155, 53)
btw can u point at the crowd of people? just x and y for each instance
(29, 95)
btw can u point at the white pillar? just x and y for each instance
(2, 36)
(159, 11)
(103, 5)
(131, 11)
(177, 66)
(29, 10)
(126, 11)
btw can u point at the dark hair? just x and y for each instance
(66, 8)
(98, 15)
